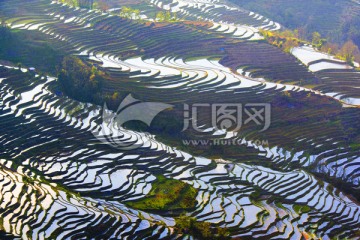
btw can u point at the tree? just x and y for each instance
(357, 59)
(167, 16)
(128, 12)
(290, 44)
(330, 48)
(101, 4)
(136, 14)
(125, 12)
(316, 39)
(302, 34)
(348, 51)
(288, 34)
(160, 17)
(175, 18)
(74, 3)
(115, 96)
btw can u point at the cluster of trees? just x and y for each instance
(79, 3)
(126, 12)
(200, 230)
(80, 80)
(84, 82)
(348, 52)
(131, 13)
(337, 21)
(74, 3)
(162, 16)
(288, 39)
(166, 16)
(285, 40)
(317, 41)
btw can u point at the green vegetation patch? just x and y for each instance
(301, 209)
(200, 230)
(80, 79)
(167, 194)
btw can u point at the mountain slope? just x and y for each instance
(337, 20)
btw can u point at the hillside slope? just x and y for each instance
(337, 20)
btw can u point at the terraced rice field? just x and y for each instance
(228, 19)
(338, 79)
(58, 181)
(95, 179)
